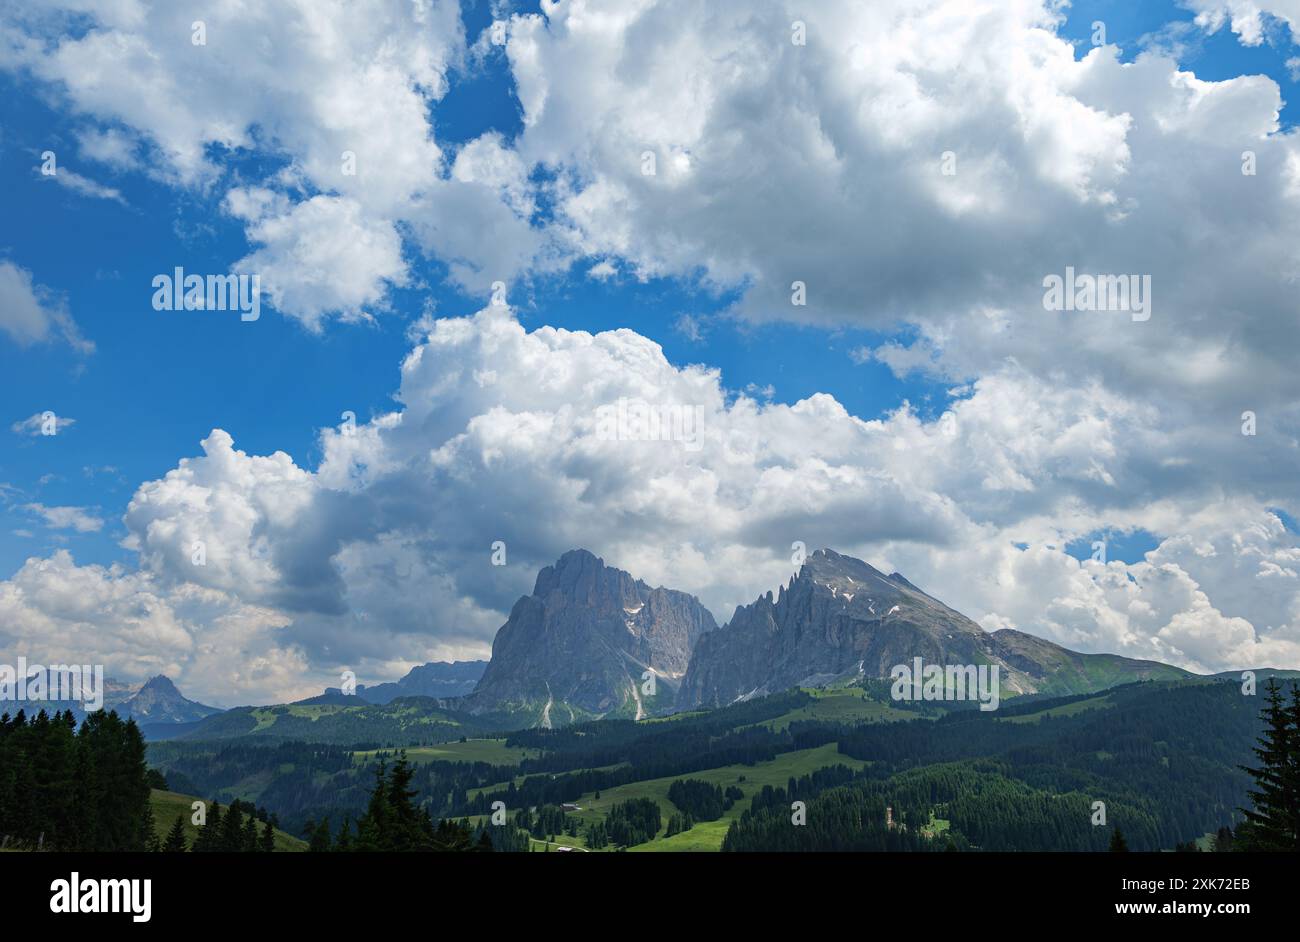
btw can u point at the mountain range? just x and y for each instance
(156, 702)
(581, 644)
(592, 641)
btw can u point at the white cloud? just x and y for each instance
(319, 255)
(304, 84)
(67, 518)
(1248, 19)
(35, 424)
(30, 314)
(837, 181)
(692, 327)
(774, 163)
(110, 146)
(85, 186)
(218, 649)
(381, 556)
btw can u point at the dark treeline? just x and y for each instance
(982, 807)
(634, 821)
(1197, 717)
(74, 788)
(699, 799)
(1163, 761)
(1171, 754)
(546, 822)
(234, 831)
(393, 822)
(838, 819)
(310, 781)
(678, 753)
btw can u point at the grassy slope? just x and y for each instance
(707, 836)
(835, 704)
(494, 751)
(841, 705)
(519, 780)
(1079, 706)
(333, 722)
(1092, 672)
(167, 805)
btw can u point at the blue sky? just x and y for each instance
(158, 382)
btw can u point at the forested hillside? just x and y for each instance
(836, 769)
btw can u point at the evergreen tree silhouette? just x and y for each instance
(1117, 843)
(1273, 824)
(175, 842)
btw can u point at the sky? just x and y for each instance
(817, 237)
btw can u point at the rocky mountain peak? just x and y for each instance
(581, 577)
(828, 567)
(839, 617)
(586, 636)
(161, 684)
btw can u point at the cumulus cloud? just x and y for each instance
(381, 556)
(1248, 19)
(773, 163)
(837, 180)
(336, 93)
(53, 610)
(318, 255)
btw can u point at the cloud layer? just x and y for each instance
(383, 555)
(918, 167)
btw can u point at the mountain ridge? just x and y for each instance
(438, 679)
(841, 617)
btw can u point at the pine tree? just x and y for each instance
(1274, 822)
(1223, 840)
(1117, 843)
(318, 836)
(232, 830)
(175, 843)
(209, 839)
(268, 838)
(250, 842)
(344, 842)
(372, 828)
(409, 828)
